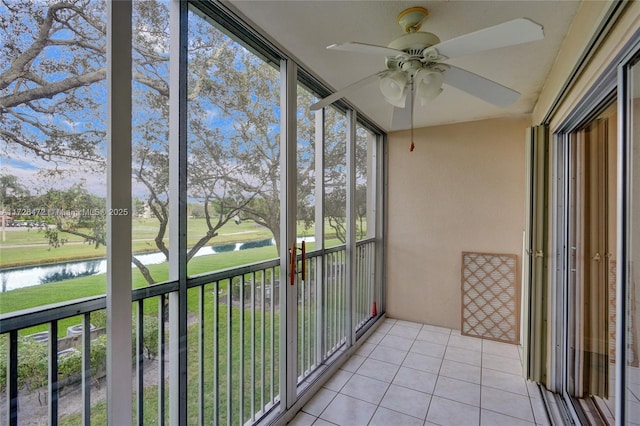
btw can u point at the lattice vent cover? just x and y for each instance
(490, 296)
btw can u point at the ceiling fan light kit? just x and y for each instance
(415, 61)
(429, 85)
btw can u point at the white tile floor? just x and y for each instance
(414, 374)
(633, 395)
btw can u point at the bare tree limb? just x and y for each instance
(52, 89)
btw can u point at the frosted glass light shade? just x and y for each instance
(394, 88)
(429, 85)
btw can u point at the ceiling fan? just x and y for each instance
(416, 68)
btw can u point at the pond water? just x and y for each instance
(14, 278)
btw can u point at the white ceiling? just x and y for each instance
(304, 28)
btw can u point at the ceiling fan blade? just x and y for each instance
(401, 118)
(345, 91)
(480, 87)
(354, 46)
(509, 33)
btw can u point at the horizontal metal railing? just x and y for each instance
(233, 349)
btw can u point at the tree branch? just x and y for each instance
(143, 270)
(52, 89)
(22, 62)
(158, 85)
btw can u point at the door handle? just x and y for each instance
(292, 264)
(293, 261)
(304, 261)
(596, 257)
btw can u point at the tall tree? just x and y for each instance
(52, 85)
(248, 123)
(52, 96)
(11, 191)
(73, 211)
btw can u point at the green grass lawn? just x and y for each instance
(23, 247)
(248, 353)
(239, 350)
(216, 380)
(91, 286)
(95, 285)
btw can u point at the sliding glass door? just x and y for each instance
(591, 274)
(597, 283)
(630, 230)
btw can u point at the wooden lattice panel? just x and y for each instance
(490, 296)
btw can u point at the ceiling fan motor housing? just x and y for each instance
(414, 42)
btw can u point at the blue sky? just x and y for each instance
(31, 170)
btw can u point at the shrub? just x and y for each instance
(33, 368)
(150, 339)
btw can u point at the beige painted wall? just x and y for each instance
(461, 189)
(463, 186)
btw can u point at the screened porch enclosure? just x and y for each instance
(236, 336)
(232, 344)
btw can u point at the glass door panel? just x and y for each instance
(308, 355)
(591, 292)
(365, 297)
(631, 228)
(234, 153)
(233, 224)
(335, 178)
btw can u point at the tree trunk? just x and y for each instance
(143, 270)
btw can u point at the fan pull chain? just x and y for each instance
(413, 146)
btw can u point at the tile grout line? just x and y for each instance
(327, 406)
(533, 412)
(438, 375)
(391, 382)
(526, 387)
(399, 367)
(510, 416)
(385, 392)
(433, 394)
(338, 392)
